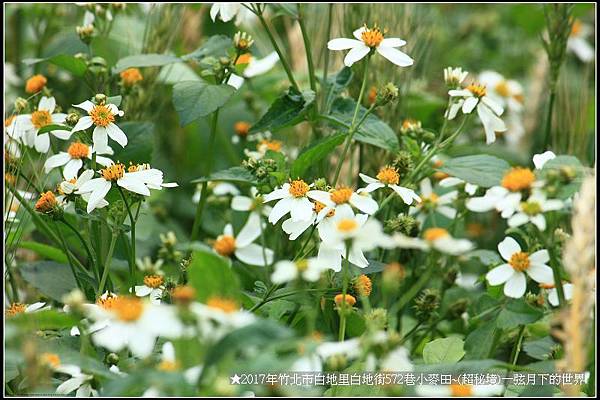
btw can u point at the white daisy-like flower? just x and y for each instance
(388, 177)
(352, 234)
(169, 363)
(67, 188)
(507, 93)
(102, 116)
(228, 11)
(452, 181)
(72, 159)
(255, 67)
(79, 382)
(104, 301)
(24, 128)
(140, 181)
(489, 112)
(293, 199)
(336, 198)
(398, 360)
(253, 203)
(459, 390)
(219, 316)
(153, 287)
(308, 270)
(18, 308)
(219, 189)
(454, 77)
(506, 197)
(297, 228)
(532, 210)
(577, 42)
(349, 348)
(435, 239)
(242, 246)
(132, 323)
(553, 292)
(539, 160)
(519, 263)
(367, 40)
(431, 202)
(264, 144)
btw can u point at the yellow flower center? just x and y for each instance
(9, 120)
(341, 195)
(35, 83)
(576, 28)
(241, 128)
(14, 309)
(347, 225)
(131, 76)
(519, 261)
(457, 390)
(223, 304)
(547, 285)
(502, 89)
(372, 37)
(388, 175)
(113, 172)
(363, 285)
(429, 202)
(107, 302)
(339, 300)
(302, 265)
(78, 150)
(50, 359)
(138, 167)
(244, 59)
(183, 294)
(531, 207)
(127, 309)
(298, 188)
(224, 245)
(168, 366)
(46, 202)
(433, 234)
(318, 207)
(518, 179)
(41, 118)
(273, 145)
(477, 89)
(10, 178)
(153, 281)
(101, 115)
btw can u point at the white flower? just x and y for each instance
(434, 239)
(367, 40)
(397, 360)
(512, 273)
(388, 177)
(348, 348)
(103, 117)
(66, 188)
(17, 308)
(134, 324)
(255, 67)
(533, 211)
(241, 245)
(474, 96)
(431, 202)
(454, 76)
(506, 92)
(308, 270)
(356, 231)
(153, 287)
(253, 204)
(453, 181)
(78, 381)
(169, 363)
(228, 11)
(220, 316)
(336, 198)
(294, 199)
(140, 181)
(459, 390)
(553, 292)
(25, 127)
(539, 160)
(577, 42)
(219, 189)
(467, 281)
(72, 159)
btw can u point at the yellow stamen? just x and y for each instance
(388, 175)
(131, 76)
(302, 265)
(41, 118)
(224, 245)
(153, 281)
(107, 302)
(50, 359)
(183, 294)
(372, 37)
(502, 89)
(347, 225)
(35, 83)
(363, 285)
(457, 390)
(531, 207)
(101, 115)
(518, 179)
(244, 59)
(273, 145)
(339, 300)
(341, 195)
(14, 309)
(519, 261)
(127, 309)
(46, 202)
(477, 89)
(113, 172)
(298, 188)
(168, 366)
(78, 150)
(241, 128)
(318, 207)
(223, 304)
(433, 234)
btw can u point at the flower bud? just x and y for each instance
(130, 77)
(321, 184)
(242, 41)
(35, 84)
(393, 274)
(72, 119)
(427, 303)
(20, 105)
(405, 224)
(377, 318)
(100, 98)
(85, 33)
(183, 295)
(454, 77)
(349, 301)
(386, 94)
(112, 359)
(47, 204)
(75, 299)
(241, 128)
(403, 162)
(363, 285)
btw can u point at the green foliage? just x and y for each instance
(51, 278)
(315, 152)
(212, 276)
(446, 350)
(481, 170)
(289, 109)
(196, 99)
(144, 60)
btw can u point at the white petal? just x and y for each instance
(281, 208)
(540, 257)
(142, 290)
(469, 104)
(42, 143)
(540, 159)
(285, 271)
(447, 211)
(241, 203)
(250, 231)
(100, 139)
(357, 33)
(86, 105)
(83, 123)
(540, 273)
(499, 274)
(343, 44)
(296, 228)
(356, 54)
(56, 160)
(133, 185)
(508, 247)
(72, 168)
(364, 203)
(261, 66)
(495, 107)
(277, 194)
(142, 345)
(116, 134)
(301, 209)
(491, 123)
(367, 178)
(395, 56)
(62, 134)
(97, 195)
(253, 255)
(392, 42)
(539, 221)
(518, 219)
(515, 286)
(407, 195)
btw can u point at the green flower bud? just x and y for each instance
(20, 105)
(427, 304)
(100, 98)
(386, 94)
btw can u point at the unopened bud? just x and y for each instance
(85, 33)
(242, 41)
(20, 105)
(72, 119)
(100, 98)
(386, 94)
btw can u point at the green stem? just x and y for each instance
(308, 50)
(517, 349)
(132, 222)
(342, 307)
(91, 254)
(416, 288)
(69, 258)
(111, 248)
(209, 165)
(548, 127)
(326, 55)
(283, 60)
(353, 125)
(385, 202)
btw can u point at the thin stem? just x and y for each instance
(111, 248)
(209, 165)
(353, 125)
(91, 254)
(132, 222)
(308, 50)
(549, 113)
(342, 307)
(326, 56)
(517, 348)
(416, 288)
(283, 60)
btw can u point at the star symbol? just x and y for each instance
(235, 379)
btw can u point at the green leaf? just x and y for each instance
(445, 350)
(53, 127)
(372, 131)
(144, 60)
(140, 143)
(211, 275)
(315, 152)
(337, 83)
(356, 324)
(49, 277)
(76, 66)
(287, 110)
(562, 164)
(215, 46)
(479, 343)
(43, 319)
(195, 99)
(487, 257)
(116, 100)
(540, 349)
(233, 174)
(481, 170)
(283, 9)
(45, 251)
(517, 312)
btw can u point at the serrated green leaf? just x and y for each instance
(233, 174)
(315, 152)
(287, 110)
(445, 350)
(144, 60)
(211, 275)
(49, 277)
(517, 312)
(481, 170)
(196, 99)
